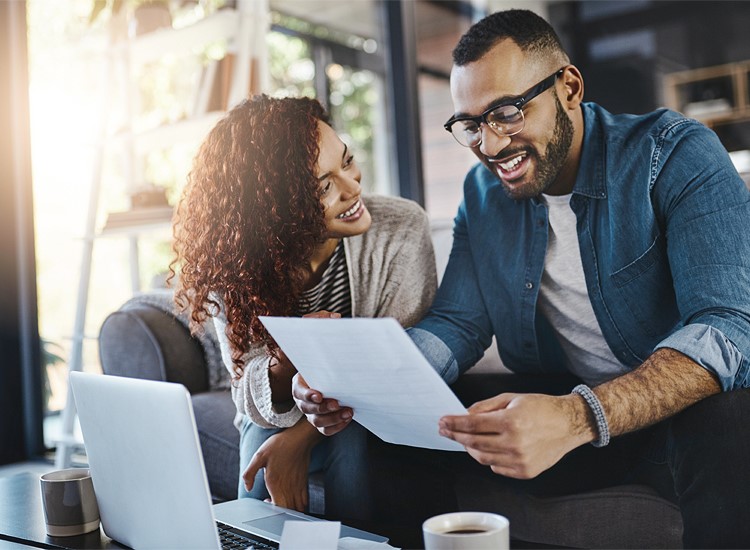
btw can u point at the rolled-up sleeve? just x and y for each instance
(712, 350)
(706, 206)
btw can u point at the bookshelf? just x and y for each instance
(242, 71)
(718, 96)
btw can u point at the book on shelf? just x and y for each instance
(138, 217)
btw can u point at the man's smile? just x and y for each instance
(512, 167)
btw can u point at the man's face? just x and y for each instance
(529, 162)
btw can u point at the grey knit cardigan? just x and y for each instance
(391, 274)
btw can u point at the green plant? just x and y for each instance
(51, 355)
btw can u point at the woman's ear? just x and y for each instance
(572, 82)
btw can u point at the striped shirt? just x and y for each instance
(332, 292)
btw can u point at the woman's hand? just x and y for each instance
(286, 459)
(326, 415)
(323, 314)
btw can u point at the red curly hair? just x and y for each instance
(250, 218)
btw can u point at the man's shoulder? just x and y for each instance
(632, 129)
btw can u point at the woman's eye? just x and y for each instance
(349, 161)
(326, 188)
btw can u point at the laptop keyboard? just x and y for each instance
(235, 539)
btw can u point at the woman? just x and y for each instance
(273, 222)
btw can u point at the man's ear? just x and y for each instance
(572, 82)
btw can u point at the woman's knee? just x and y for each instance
(349, 445)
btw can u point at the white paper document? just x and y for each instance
(310, 535)
(372, 366)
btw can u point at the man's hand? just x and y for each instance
(521, 435)
(286, 459)
(325, 414)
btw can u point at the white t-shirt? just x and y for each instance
(564, 299)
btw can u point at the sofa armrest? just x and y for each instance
(143, 341)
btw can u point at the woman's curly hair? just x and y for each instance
(250, 218)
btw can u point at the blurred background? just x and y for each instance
(120, 93)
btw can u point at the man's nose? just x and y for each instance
(492, 142)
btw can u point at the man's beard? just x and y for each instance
(549, 166)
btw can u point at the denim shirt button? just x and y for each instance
(529, 285)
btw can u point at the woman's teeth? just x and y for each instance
(512, 163)
(353, 210)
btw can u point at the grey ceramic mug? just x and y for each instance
(69, 502)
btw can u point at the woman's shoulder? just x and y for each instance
(394, 211)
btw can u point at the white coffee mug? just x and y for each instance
(467, 531)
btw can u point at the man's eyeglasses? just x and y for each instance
(505, 120)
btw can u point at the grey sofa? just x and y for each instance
(145, 339)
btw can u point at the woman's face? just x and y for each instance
(338, 177)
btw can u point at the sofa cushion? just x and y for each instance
(626, 516)
(141, 341)
(220, 441)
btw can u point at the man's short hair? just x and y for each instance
(532, 34)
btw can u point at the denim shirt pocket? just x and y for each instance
(646, 288)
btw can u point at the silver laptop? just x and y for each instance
(147, 467)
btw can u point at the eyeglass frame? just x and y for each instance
(533, 92)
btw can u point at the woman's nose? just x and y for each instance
(350, 187)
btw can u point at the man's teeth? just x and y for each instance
(351, 211)
(511, 163)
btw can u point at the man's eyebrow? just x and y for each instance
(343, 159)
(503, 100)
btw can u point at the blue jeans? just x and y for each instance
(343, 458)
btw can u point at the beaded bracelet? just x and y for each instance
(596, 407)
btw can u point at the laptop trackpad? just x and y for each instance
(273, 524)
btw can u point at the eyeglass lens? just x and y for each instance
(506, 120)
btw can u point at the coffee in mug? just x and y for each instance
(465, 531)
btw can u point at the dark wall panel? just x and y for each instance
(20, 372)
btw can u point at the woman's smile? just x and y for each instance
(353, 213)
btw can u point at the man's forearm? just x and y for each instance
(665, 384)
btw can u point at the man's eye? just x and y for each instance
(468, 126)
(508, 114)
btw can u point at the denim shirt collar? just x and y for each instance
(591, 181)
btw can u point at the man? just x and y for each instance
(613, 247)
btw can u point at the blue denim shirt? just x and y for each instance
(665, 245)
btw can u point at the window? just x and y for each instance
(69, 102)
